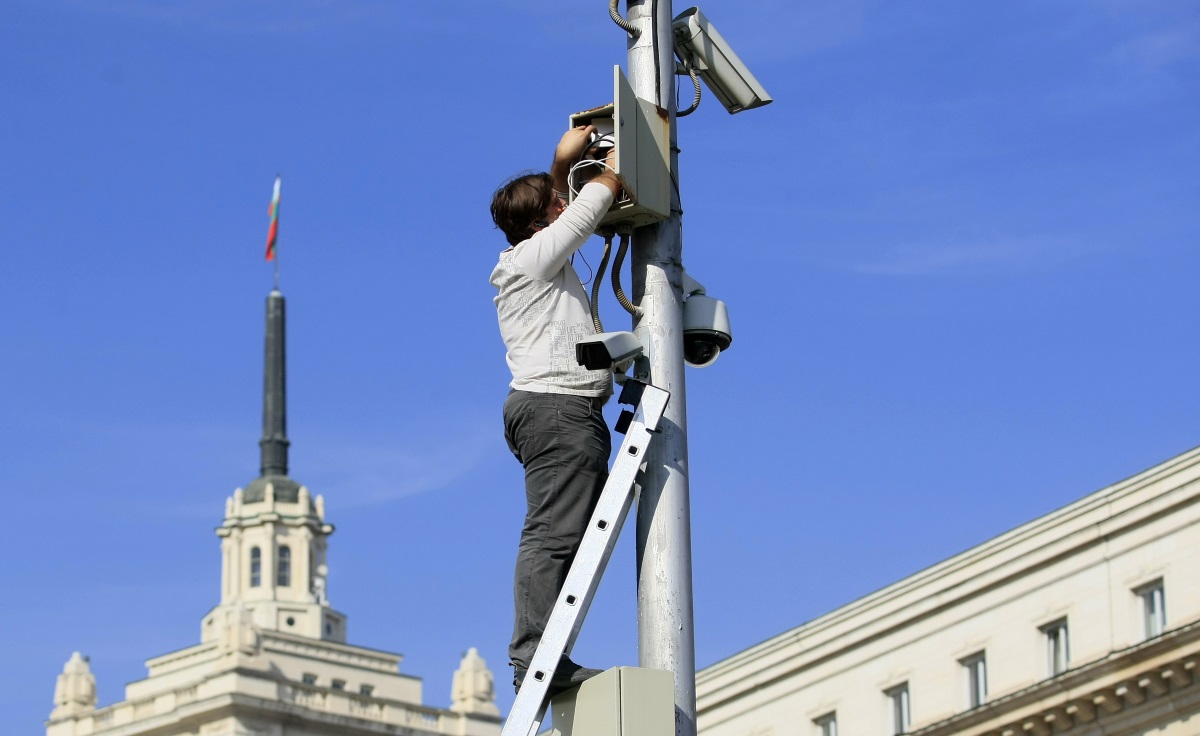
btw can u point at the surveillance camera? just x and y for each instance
(613, 351)
(706, 330)
(713, 59)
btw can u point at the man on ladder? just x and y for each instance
(553, 421)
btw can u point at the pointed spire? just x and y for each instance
(273, 470)
(274, 441)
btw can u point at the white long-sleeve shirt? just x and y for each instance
(543, 308)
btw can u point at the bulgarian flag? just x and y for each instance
(273, 231)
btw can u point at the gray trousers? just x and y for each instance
(563, 444)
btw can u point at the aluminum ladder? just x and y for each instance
(569, 610)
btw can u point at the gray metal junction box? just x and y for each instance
(623, 701)
(642, 131)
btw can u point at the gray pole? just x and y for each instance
(664, 535)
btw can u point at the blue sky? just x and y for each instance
(959, 250)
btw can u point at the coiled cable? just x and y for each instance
(595, 302)
(687, 66)
(630, 28)
(616, 278)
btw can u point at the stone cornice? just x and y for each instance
(1120, 683)
(182, 658)
(373, 659)
(291, 520)
(213, 699)
(279, 642)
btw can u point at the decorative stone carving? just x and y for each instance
(75, 690)
(474, 688)
(239, 635)
(319, 583)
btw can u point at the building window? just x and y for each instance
(338, 684)
(1154, 609)
(255, 567)
(1058, 652)
(308, 678)
(367, 690)
(976, 667)
(900, 709)
(826, 724)
(284, 577)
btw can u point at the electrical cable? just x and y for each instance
(687, 66)
(658, 80)
(580, 165)
(583, 258)
(610, 138)
(616, 279)
(630, 28)
(595, 301)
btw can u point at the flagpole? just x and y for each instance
(273, 231)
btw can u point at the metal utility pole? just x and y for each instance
(664, 536)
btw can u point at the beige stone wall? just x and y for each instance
(1082, 563)
(247, 705)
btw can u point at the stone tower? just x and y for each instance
(273, 538)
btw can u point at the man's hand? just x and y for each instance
(608, 177)
(570, 148)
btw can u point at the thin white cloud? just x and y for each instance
(1160, 48)
(574, 22)
(768, 30)
(426, 455)
(353, 474)
(971, 258)
(240, 16)
(202, 511)
(775, 30)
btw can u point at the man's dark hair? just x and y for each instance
(519, 202)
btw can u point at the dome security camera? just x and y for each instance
(706, 330)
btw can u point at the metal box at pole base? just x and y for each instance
(623, 701)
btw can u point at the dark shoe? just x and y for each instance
(566, 676)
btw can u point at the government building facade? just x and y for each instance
(1085, 622)
(273, 659)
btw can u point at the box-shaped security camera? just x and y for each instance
(698, 43)
(641, 132)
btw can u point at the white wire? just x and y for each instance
(610, 138)
(600, 139)
(581, 164)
